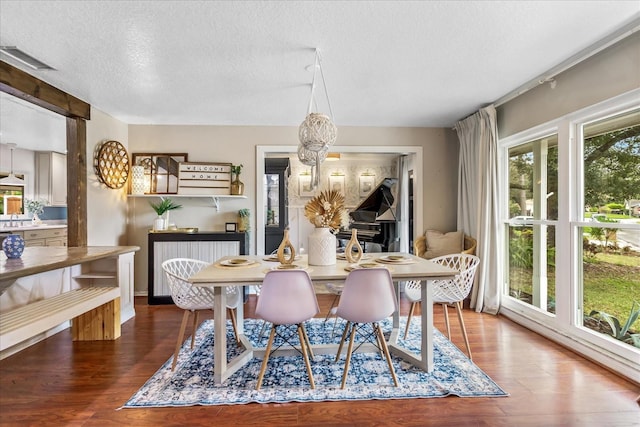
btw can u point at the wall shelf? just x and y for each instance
(215, 199)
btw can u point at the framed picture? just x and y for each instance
(231, 227)
(304, 186)
(367, 183)
(336, 183)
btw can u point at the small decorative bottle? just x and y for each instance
(353, 251)
(282, 256)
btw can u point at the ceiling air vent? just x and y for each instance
(26, 59)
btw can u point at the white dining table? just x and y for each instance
(223, 273)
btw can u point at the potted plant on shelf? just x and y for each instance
(237, 186)
(243, 223)
(164, 206)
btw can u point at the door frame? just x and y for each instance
(262, 151)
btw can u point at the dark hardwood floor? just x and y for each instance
(58, 382)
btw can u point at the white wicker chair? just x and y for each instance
(192, 299)
(447, 292)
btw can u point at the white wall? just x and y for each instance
(106, 208)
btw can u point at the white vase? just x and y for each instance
(322, 247)
(36, 219)
(159, 224)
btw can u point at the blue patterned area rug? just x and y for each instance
(286, 377)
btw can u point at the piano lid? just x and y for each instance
(377, 203)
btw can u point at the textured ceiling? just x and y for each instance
(386, 63)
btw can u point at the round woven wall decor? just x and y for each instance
(112, 163)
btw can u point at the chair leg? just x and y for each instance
(446, 320)
(464, 330)
(406, 329)
(380, 345)
(382, 341)
(344, 335)
(307, 342)
(303, 343)
(349, 351)
(263, 368)
(183, 326)
(194, 328)
(232, 314)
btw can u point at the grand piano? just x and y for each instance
(375, 218)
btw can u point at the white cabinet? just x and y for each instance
(45, 237)
(51, 177)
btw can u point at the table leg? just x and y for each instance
(425, 361)
(219, 333)
(395, 328)
(426, 309)
(223, 369)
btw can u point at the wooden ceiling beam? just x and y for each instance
(18, 83)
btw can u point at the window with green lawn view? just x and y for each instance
(609, 288)
(570, 204)
(530, 231)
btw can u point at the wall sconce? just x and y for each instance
(333, 157)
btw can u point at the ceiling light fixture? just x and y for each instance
(12, 179)
(317, 132)
(24, 58)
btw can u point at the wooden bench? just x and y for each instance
(94, 312)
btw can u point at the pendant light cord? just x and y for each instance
(318, 64)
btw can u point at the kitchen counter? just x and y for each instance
(44, 289)
(32, 227)
(40, 259)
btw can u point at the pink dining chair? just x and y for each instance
(192, 299)
(367, 297)
(287, 298)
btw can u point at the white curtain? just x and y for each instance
(478, 202)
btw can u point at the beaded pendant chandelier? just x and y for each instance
(317, 132)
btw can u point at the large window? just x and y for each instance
(11, 199)
(533, 207)
(571, 215)
(610, 262)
